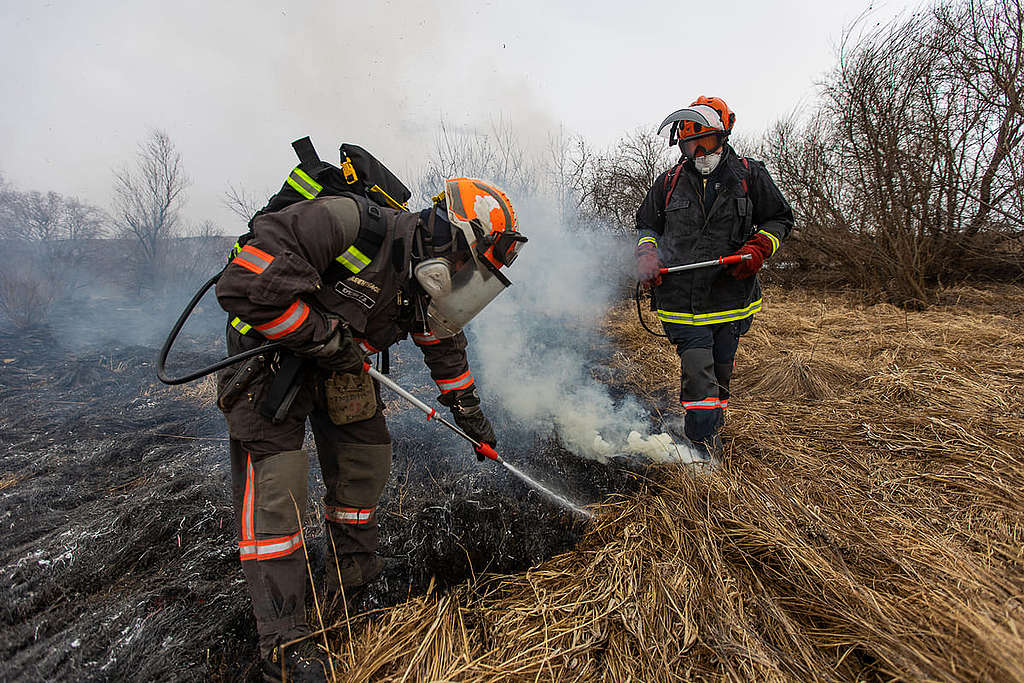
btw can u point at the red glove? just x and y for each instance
(759, 247)
(647, 265)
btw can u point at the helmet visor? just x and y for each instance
(472, 288)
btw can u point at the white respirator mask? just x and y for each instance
(708, 162)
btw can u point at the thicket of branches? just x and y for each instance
(59, 248)
(911, 171)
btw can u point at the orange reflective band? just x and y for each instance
(424, 339)
(286, 323)
(248, 509)
(463, 381)
(270, 548)
(253, 259)
(340, 515)
(710, 403)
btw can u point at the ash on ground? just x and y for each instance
(118, 558)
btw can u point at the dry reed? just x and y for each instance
(867, 524)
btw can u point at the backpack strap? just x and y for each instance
(372, 231)
(743, 180)
(669, 189)
(308, 158)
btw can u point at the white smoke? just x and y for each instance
(531, 343)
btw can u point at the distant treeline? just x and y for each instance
(906, 175)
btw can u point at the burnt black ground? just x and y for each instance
(117, 551)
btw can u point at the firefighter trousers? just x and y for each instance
(270, 473)
(707, 354)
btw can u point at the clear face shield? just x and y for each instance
(471, 288)
(461, 284)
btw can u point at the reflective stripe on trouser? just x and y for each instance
(355, 460)
(270, 542)
(698, 394)
(278, 586)
(707, 353)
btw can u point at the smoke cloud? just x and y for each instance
(536, 343)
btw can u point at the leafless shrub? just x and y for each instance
(26, 295)
(242, 203)
(911, 170)
(493, 154)
(615, 182)
(190, 260)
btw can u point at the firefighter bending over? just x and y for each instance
(308, 278)
(713, 203)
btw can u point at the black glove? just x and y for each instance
(465, 406)
(339, 353)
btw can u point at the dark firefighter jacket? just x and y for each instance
(704, 221)
(274, 288)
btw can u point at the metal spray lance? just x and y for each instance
(482, 448)
(723, 261)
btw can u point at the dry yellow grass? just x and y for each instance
(868, 523)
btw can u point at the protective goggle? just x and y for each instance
(506, 247)
(700, 146)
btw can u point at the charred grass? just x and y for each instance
(867, 523)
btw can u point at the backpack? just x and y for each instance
(362, 178)
(360, 173)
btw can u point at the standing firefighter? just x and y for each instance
(334, 279)
(713, 203)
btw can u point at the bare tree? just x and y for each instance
(569, 157)
(910, 172)
(148, 199)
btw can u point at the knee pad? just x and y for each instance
(359, 473)
(698, 380)
(272, 484)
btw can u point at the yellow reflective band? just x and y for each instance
(395, 204)
(709, 318)
(303, 184)
(240, 326)
(774, 240)
(234, 250)
(353, 259)
(645, 240)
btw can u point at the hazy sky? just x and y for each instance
(233, 83)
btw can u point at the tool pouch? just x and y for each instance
(232, 384)
(350, 397)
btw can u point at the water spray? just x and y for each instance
(482, 448)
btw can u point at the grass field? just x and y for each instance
(867, 523)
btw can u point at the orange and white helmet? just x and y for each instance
(706, 116)
(459, 288)
(486, 217)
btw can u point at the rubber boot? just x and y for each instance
(303, 662)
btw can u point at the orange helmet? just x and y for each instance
(459, 288)
(705, 116)
(485, 216)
